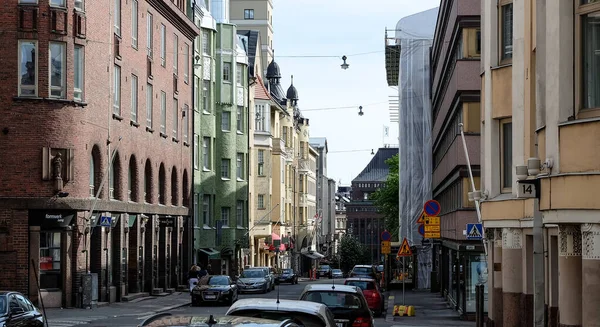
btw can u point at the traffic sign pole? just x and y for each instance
(403, 282)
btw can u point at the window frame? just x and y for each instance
(163, 45)
(580, 11)
(186, 66)
(239, 213)
(163, 112)
(206, 153)
(186, 123)
(206, 209)
(28, 2)
(134, 23)
(239, 74)
(501, 53)
(117, 90)
(134, 98)
(149, 105)
(175, 54)
(206, 96)
(260, 202)
(240, 119)
(225, 169)
(260, 160)
(117, 17)
(62, 5)
(196, 151)
(226, 72)
(225, 216)
(50, 248)
(149, 34)
(249, 14)
(239, 166)
(81, 6)
(502, 122)
(79, 64)
(205, 43)
(226, 121)
(63, 73)
(175, 118)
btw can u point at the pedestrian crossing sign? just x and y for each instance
(404, 250)
(474, 231)
(105, 221)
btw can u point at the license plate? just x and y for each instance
(211, 297)
(339, 324)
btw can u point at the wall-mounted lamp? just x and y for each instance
(344, 65)
(360, 112)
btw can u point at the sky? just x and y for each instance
(336, 28)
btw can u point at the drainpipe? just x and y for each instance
(192, 203)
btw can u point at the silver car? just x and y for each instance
(304, 313)
(168, 320)
(272, 275)
(254, 280)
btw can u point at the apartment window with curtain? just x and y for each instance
(57, 69)
(28, 66)
(149, 98)
(261, 162)
(206, 151)
(588, 17)
(225, 212)
(163, 45)
(506, 164)
(206, 107)
(506, 30)
(134, 98)
(175, 54)
(149, 34)
(117, 18)
(78, 72)
(225, 167)
(134, 23)
(206, 210)
(239, 165)
(117, 91)
(226, 121)
(196, 151)
(240, 119)
(227, 72)
(163, 112)
(239, 213)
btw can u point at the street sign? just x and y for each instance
(404, 250)
(422, 229)
(432, 227)
(474, 231)
(420, 220)
(432, 234)
(106, 221)
(386, 247)
(432, 208)
(386, 236)
(432, 221)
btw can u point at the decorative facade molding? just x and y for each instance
(512, 238)
(498, 237)
(590, 239)
(570, 240)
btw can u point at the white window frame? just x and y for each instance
(206, 108)
(225, 213)
(117, 90)
(503, 187)
(261, 162)
(117, 18)
(239, 213)
(186, 123)
(163, 45)
(63, 74)
(226, 72)
(175, 54)
(196, 151)
(186, 65)
(149, 105)
(206, 153)
(163, 112)
(134, 98)
(78, 65)
(248, 14)
(149, 34)
(205, 42)
(206, 201)
(58, 3)
(134, 23)
(260, 201)
(79, 5)
(240, 119)
(33, 87)
(197, 93)
(239, 166)
(175, 118)
(226, 121)
(196, 210)
(239, 74)
(225, 168)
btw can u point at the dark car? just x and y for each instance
(364, 271)
(17, 310)
(169, 320)
(288, 276)
(217, 289)
(324, 271)
(347, 303)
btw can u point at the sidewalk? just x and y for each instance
(430, 310)
(137, 308)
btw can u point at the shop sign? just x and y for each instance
(45, 263)
(166, 222)
(53, 220)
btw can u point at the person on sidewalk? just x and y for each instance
(202, 272)
(193, 277)
(209, 269)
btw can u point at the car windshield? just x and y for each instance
(218, 280)
(335, 299)
(3, 302)
(324, 267)
(252, 274)
(363, 285)
(287, 271)
(362, 270)
(337, 271)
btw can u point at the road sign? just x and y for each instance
(420, 220)
(105, 221)
(422, 229)
(386, 236)
(432, 208)
(432, 220)
(432, 234)
(386, 247)
(404, 250)
(432, 228)
(474, 231)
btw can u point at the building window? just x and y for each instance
(260, 118)
(131, 181)
(197, 94)
(149, 97)
(163, 45)
(239, 74)
(78, 72)
(240, 119)
(239, 165)
(506, 155)
(225, 211)
(206, 96)
(261, 201)
(506, 32)
(163, 112)
(205, 43)
(57, 69)
(196, 151)
(227, 72)
(50, 255)
(134, 98)
(225, 164)
(134, 23)
(186, 65)
(149, 34)
(175, 118)
(226, 121)
(117, 18)
(285, 135)
(206, 210)
(117, 91)
(28, 68)
(196, 210)
(58, 3)
(239, 213)
(248, 13)
(261, 162)
(80, 5)
(186, 123)
(590, 53)
(206, 153)
(175, 54)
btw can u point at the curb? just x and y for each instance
(176, 306)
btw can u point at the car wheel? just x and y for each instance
(195, 301)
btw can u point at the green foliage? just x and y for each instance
(351, 252)
(387, 198)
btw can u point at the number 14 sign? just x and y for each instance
(527, 189)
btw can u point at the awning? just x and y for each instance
(209, 251)
(312, 254)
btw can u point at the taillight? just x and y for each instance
(375, 295)
(362, 322)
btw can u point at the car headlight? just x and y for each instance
(226, 291)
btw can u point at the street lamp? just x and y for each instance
(360, 112)
(344, 65)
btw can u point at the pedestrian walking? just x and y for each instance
(193, 277)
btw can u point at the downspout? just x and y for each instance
(192, 203)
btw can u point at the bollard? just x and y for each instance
(479, 305)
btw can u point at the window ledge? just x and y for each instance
(206, 112)
(206, 169)
(186, 144)
(207, 227)
(149, 129)
(117, 117)
(225, 227)
(225, 131)
(240, 133)
(134, 123)
(174, 139)
(580, 120)
(163, 135)
(65, 101)
(241, 180)
(225, 179)
(503, 65)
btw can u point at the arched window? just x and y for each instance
(132, 180)
(95, 171)
(161, 184)
(186, 189)
(148, 182)
(174, 187)
(92, 179)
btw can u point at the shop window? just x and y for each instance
(50, 265)
(477, 273)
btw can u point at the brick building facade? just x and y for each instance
(96, 120)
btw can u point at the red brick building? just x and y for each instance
(94, 115)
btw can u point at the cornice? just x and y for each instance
(177, 18)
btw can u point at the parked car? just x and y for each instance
(324, 271)
(254, 280)
(271, 273)
(365, 271)
(337, 273)
(169, 320)
(218, 288)
(17, 310)
(304, 313)
(288, 276)
(347, 303)
(371, 291)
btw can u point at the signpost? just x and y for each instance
(386, 247)
(432, 208)
(432, 227)
(474, 231)
(404, 252)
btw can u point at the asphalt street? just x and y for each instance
(135, 317)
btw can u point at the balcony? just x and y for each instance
(304, 166)
(279, 146)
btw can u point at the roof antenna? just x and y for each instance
(332, 279)
(278, 286)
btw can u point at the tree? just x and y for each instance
(351, 252)
(387, 198)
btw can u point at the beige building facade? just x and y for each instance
(541, 99)
(255, 15)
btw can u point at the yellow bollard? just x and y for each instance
(404, 310)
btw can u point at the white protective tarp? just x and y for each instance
(415, 35)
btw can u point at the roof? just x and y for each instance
(260, 91)
(167, 319)
(331, 287)
(377, 170)
(319, 142)
(272, 305)
(250, 48)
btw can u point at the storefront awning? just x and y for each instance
(313, 254)
(209, 251)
